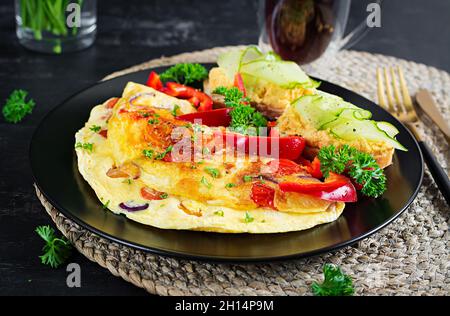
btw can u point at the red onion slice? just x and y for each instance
(134, 97)
(133, 207)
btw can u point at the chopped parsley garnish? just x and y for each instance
(128, 181)
(86, 146)
(176, 107)
(247, 178)
(149, 153)
(230, 185)
(206, 183)
(218, 213)
(248, 218)
(164, 153)
(244, 118)
(361, 167)
(153, 121)
(17, 107)
(185, 73)
(106, 205)
(164, 195)
(56, 250)
(335, 283)
(95, 128)
(213, 172)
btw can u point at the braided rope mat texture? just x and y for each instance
(409, 257)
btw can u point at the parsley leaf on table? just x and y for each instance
(17, 107)
(336, 283)
(56, 250)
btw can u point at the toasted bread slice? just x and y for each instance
(290, 123)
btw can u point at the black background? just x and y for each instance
(131, 32)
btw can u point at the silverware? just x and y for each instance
(400, 105)
(428, 105)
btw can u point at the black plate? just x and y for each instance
(53, 162)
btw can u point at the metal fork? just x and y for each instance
(400, 105)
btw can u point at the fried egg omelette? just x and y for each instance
(131, 163)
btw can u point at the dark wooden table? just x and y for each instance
(131, 32)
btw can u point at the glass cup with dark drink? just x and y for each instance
(305, 30)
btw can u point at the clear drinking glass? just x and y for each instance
(305, 30)
(56, 26)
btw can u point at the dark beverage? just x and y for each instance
(299, 30)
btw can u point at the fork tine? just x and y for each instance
(397, 97)
(406, 96)
(381, 99)
(388, 90)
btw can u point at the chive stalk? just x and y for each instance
(47, 16)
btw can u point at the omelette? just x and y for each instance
(139, 159)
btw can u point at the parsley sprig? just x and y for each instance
(185, 73)
(17, 107)
(244, 118)
(336, 283)
(362, 167)
(56, 250)
(232, 96)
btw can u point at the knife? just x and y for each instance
(428, 105)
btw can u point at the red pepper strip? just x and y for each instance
(110, 104)
(335, 188)
(154, 81)
(180, 91)
(195, 97)
(239, 83)
(206, 103)
(289, 147)
(263, 195)
(283, 167)
(314, 169)
(219, 117)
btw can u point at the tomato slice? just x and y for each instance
(283, 167)
(263, 195)
(151, 194)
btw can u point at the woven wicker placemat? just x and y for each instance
(409, 257)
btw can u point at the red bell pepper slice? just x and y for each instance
(206, 102)
(335, 188)
(263, 195)
(195, 97)
(219, 117)
(111, 103)
(314, 169)
(154, 81)
(289, 147)
(239, 83)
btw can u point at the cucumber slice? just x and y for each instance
(349, 129)
(390, 129)
(249, 54)
(319, 110)
(343, 119)
(230, 62)
(282, 73)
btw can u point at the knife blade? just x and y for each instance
(428, 105)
